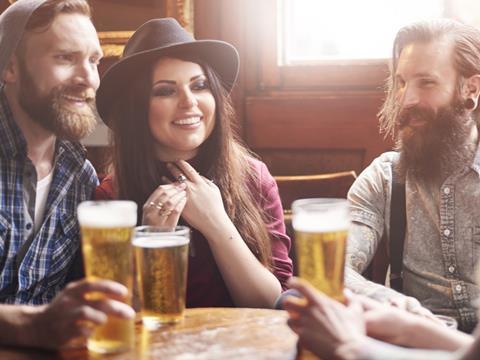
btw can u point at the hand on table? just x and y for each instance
(413, 306)
(387, 296)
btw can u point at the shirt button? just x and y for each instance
(451, 269)
(446, 232)
(458, 288)
(446, 190)
(28, 226)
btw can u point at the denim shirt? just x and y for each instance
(442, 241)
(34, 266)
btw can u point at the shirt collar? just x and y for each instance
(73, 151)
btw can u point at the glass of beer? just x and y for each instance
(321, 230)
(106, 229)
(161, 257)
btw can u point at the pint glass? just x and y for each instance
(321, 230)
(161, 257)
(106, 229)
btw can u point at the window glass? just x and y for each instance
(313, 31)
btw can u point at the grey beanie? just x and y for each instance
(12, 26)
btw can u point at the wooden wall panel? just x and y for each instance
(293, 132)
(308, 162)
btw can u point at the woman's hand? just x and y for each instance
(204, 206)
(413, 306)
(164, 205)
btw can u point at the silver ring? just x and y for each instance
(151, 203)
(181, 178)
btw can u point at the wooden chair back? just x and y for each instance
(291, 188)
(331, 185)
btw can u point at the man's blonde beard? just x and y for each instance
(74, 124)
(53, 112)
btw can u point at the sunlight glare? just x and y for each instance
(347, 29)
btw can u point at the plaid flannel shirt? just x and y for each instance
(34, 273)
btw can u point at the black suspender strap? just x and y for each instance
(398, 224)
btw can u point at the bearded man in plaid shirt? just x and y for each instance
(49, 52)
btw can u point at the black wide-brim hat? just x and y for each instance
(157, 38)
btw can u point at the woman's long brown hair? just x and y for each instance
(221, 157)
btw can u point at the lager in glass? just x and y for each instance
(161, 265)
(106, 230)
(321, 230)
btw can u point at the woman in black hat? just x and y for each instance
(175, 154)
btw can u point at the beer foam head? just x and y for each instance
(152, 230)
(320, 215)
(107, 214)
(160, 241)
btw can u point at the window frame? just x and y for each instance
(324, 75)
(362, 75)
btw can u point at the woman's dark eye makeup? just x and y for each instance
(200, 84)
(169, 89)
(163, 90)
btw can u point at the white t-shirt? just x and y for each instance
(43, 187)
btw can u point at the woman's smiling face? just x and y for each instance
(182, 109)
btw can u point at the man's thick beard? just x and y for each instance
(52, 113)
(438, 149)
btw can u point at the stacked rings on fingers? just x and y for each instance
(181, 178)
(158, 205)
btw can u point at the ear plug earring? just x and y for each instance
(470, 104)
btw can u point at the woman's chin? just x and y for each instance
(178, 154)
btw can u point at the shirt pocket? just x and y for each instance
(473, 235)
(50, 256)
(67, 241)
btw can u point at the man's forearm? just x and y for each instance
(424, 333)
(359, 285)
(371, 349)
(362, 244)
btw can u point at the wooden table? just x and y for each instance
(205, 333)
